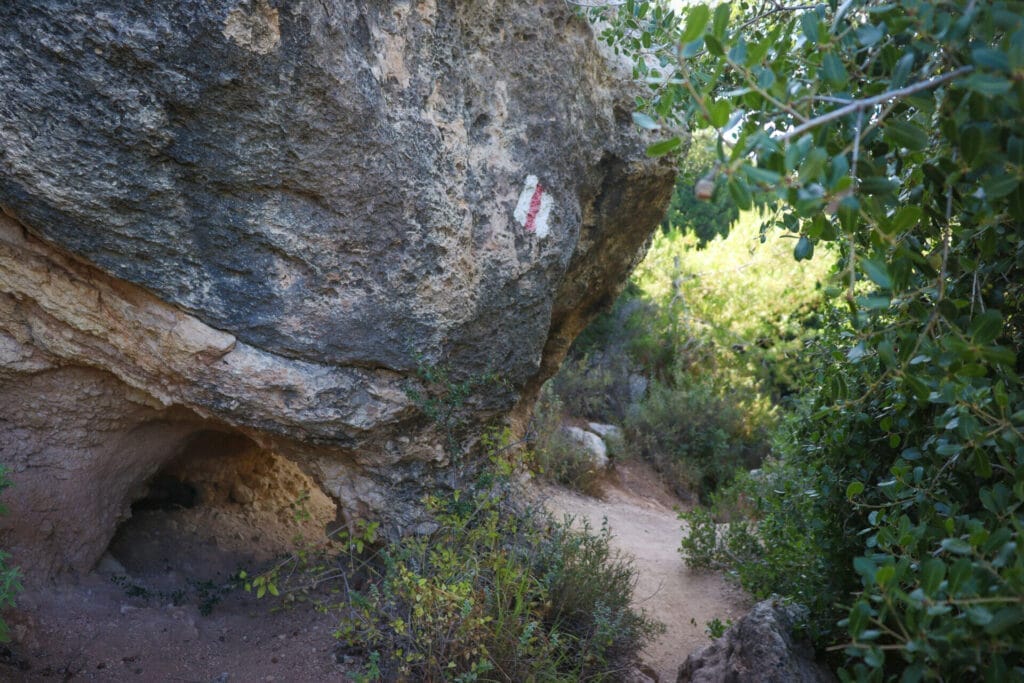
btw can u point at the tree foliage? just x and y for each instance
(705, 218)
(894, 132)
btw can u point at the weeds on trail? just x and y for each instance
(497, 592)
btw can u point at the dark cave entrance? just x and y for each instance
(222, 504)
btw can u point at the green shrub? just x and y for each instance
(556, 456)
(696, 434)
(788, 542)
(891, 131)
(498, 591)
(892, 526)
(717, 332)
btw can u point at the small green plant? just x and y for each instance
(298, 576)
(716, 628)
(699, 546)
(443, 399)
(696, 433)
(371, 671)
(300, 508)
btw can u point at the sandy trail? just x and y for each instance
(643, 524)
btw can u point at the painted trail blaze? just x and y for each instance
(533, 210)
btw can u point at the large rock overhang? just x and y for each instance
(270, 216)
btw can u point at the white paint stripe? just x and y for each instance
(541, 222)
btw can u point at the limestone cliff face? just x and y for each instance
(266, 216)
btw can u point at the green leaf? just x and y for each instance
(719, 112)
(905, 134)
(988, 58)
(986, 327)
(833, 70)
(804, 249)
(1004, 619)
(740, 193)
(998, 187)
(887, 353)
(957, 546)
(906, 218)
(849, 213)
(696, 20)
(813, 164)
(854, 489)
(933, 570)
(979, 615)
(738, 52)
(645, 121)
(663, 147)
(958, 573)
(885, 574)
(721, 20)
(809, 24)
(692, 48)
(756, 52)
(987, 85)
(865, 567)
(1000, 355)
(861, 612)
(868, 35)
(901, 72)
(877, 185)
(877, 271)
(761, 175)
(714, 45)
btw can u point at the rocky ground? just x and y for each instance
(161, 608)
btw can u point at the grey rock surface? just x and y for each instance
(268, 216)
(760, 648)
(591, 443)
(606, 431)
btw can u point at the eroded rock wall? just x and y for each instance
(269, 216)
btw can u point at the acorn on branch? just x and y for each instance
(705, 188)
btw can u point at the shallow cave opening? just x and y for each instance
(222, 504)
(166, 492)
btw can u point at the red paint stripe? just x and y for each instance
(531, 215)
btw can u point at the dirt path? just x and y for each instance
(643, 524)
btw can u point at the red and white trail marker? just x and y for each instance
(533, 210)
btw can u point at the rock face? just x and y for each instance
(272, 218)
(591, 443)
(760, 648)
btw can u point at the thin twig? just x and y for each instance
(867, 103)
